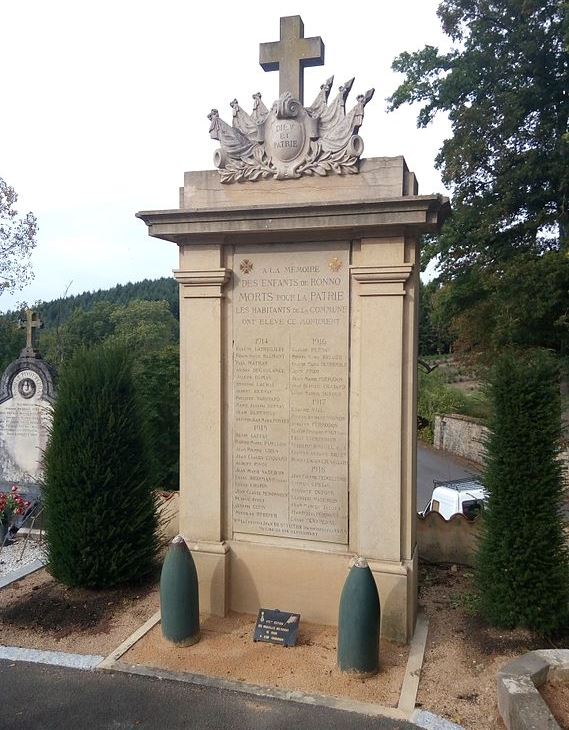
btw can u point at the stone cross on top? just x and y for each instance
(31, 323)
(291, 55)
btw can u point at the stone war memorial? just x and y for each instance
(26, 399)
(298, 283)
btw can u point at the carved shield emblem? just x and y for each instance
(285, 138)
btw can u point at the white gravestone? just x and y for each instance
(26, 412)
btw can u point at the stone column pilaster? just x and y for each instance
(201, 420)
(384, 479)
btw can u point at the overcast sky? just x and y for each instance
(105, 106)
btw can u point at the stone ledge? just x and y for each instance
(314, 222)
(519, 702)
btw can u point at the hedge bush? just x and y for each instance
(101, 518)
(523, 568)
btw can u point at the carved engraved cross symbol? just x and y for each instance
(291, 55)
(31, 323)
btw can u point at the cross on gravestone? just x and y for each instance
(31, 323)
(291, 55)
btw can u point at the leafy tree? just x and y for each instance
(84, 328)
(144, 326)
(101, 518)
(11, 342)
(58, 311)
(504, 87)
(434, 334)
(525, 305)
(523, 567)
(435, 396)
(17, 240)
(141, 325)
(149, 331)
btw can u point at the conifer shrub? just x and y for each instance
(101, 518)
(522, 563)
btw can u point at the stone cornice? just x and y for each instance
(206, 283)
(381, 280)
(411, 214)
(210, 277)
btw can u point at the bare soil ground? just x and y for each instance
(458, 680)
(557, 697)
(463, 654)
(37, 612)
(227, 650)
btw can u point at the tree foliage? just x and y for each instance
(504, 87)
(526, 305)
(149, 331)
(141, 325)
(101, 519)
(57, 311)
(523, 568)
(17, 241)
(436, 397)
(12, 341)
(434, 326)
(132, 315)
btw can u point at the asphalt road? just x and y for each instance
(52, 698)
(432, 464)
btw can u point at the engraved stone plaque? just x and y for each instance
(290, 391)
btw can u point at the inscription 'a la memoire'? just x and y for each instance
(290, 391)
(290, 140)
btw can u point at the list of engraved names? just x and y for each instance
(290, 391)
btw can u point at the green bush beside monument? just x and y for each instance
(102, 526)
(523, 568)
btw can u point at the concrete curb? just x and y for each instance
(404, 709)
(519, 702)
(56, 658)
(111, 663)
(115, 655)
(362, 708)
(410, 686)
(21, 573)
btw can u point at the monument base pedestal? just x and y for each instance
(212, 565)
(244, 576)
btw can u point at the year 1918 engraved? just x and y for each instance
(290, 394)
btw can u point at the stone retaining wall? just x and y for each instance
(464, 436)
(460, 435)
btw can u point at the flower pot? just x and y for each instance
(3, 533)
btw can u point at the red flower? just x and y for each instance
(14, 488)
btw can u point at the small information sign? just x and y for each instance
(277, 627)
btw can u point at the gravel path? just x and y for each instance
(10, 560)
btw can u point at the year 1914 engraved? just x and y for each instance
(290, 393)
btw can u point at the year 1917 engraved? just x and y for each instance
(290, 393)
